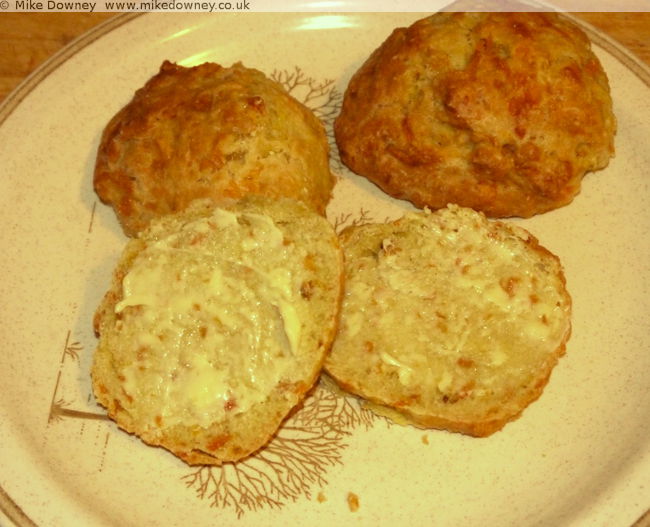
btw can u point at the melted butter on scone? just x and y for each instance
(484, 300)
(190, 302)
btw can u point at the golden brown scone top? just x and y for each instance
(209, 132)
(501, 112)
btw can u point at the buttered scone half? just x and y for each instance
(217, 324)
(449, 319)
(501, 112)
(209, 132)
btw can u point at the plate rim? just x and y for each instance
(55, 61)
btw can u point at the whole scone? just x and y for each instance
(216, 325)
(500, 112)
(209, 132)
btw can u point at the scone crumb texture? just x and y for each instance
(449, 320)
(181, 294)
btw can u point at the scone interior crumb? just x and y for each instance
(217, 325)
(449, 318)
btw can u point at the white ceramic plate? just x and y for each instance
(578, 456)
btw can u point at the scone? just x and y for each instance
(217, 324)
(500, 112)
(209, 132)
(449, 319)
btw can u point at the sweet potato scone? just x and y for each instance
(449, 320)
(500, 112)
(217, 324)
(209, 132)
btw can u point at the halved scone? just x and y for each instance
(450, 319)
(217, 324)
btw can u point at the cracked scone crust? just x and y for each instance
(216, 326)
(209, 132)
(449, 320)
(500, 112)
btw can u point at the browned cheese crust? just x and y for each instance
(500, 112)
(209, 132)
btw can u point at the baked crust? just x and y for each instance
(500, 112)
(209, 132)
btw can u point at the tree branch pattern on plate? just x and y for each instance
(292, 464)
(321, 97)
